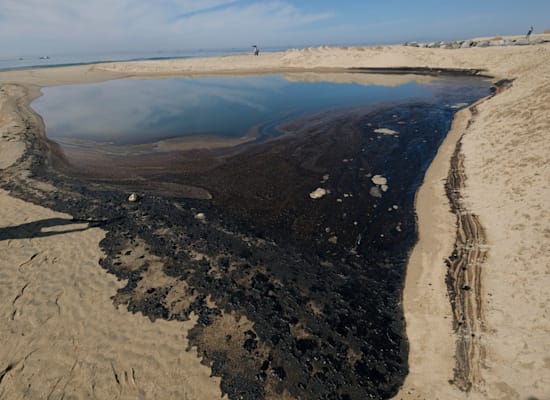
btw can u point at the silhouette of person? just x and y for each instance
(529, 32)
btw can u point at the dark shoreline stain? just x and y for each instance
(295, 297)
(423, 71)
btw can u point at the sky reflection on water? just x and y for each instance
(128, 111)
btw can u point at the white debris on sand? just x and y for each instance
(379, 180)
(318, 193)
(375, 192)
(381, 185)
(133, 198)
(386, 131)
(200, 216)
(458, 105)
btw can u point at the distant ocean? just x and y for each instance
(51, 60)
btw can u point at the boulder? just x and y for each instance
(483, 44)
(466, 44)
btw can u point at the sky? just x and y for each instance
(47, 27)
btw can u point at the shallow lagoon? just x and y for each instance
(124, 112)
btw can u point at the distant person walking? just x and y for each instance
(256, 50)
(529, 32)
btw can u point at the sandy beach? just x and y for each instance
(63, 336)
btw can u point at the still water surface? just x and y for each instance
(125, 112)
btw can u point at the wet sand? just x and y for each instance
(515, 335)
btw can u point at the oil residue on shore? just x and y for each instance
(292, 250)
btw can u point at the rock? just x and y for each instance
(483, 44)
(522, 42)
(133, 198)
(333, 239)
(496, 43)
(318, 193)
(458, 106)
(379, 180)
(423, 45)
(466, 44)
(200, 216)
(433, 45)
(375, 192)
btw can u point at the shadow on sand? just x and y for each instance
(43, 228)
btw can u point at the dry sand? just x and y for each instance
(63, 333)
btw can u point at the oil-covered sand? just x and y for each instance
(295, 295)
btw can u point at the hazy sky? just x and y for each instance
(100, 26)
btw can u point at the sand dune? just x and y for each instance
(62, 334)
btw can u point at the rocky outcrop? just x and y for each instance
(464, 44)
